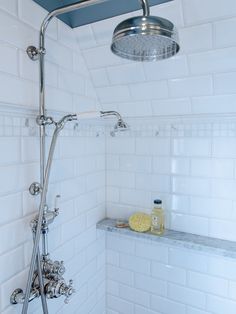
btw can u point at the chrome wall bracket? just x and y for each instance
(35, 188)
(33, 52)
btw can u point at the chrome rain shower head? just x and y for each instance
(145, 38)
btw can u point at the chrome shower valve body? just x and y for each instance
(53, 269)
(58, 288)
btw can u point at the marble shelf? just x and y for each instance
(195, 242)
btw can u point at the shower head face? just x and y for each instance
(145, 38)
(121, 125)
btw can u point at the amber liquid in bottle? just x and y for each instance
(158, 218)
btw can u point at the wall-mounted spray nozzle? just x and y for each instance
(121, 125)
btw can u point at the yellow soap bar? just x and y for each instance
(140, 222)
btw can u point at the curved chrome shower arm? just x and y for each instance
(111, 113)
(145, 7)
(59, 11)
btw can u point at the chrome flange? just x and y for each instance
(35, 188)
(33, 53)
(14, 299)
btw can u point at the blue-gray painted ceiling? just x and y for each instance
(96, 12)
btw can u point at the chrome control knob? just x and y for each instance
(68, 291)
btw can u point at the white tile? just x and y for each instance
(134, 295)
(224, 147)
(152, 252)
(120, 275)
(180, 203)
(59, 100)
(211, 207)
(8, 59)
(213, 104)
(191, 310)
(15, 32)
(142, 310)
(169, 273)
(166, 306)
(120, 305)
(112, 287)
(116, 145)
(224, 83)
(10, 6)
(137, 198)
(134, 263)
(25, 92)
(150, 284)
(135, 109)
(222, 267)
(33, 14)
(196, 38)
(210, 10)
(213, 61)
(187, 296)
(85, 36)
(124, 74)
(192, 186)
(191, 147)
(187, 259)
(121, 244)
(232, 290)
(222, 229)
(177, 106)
(222, 27)
(153, 146)
(171, 11)
(79, 64)
(99, 77)
(10, 150)
(121, 179)
(149, 90)
(99, 57)
(180, 166)
(162, 165)
(11, 263)
(71, 82)
(191, 224)
(11, 208)
(223, 188)
(153, 182)
(18, 232)
(135, 163)
(218, 305)
(170, 68)
(219, 168)
(191, 86)
(113, 93)
(63, 55)
(211, 284)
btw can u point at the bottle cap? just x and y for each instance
(157, 201)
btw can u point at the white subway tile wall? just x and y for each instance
(182, 281)
(188, 162)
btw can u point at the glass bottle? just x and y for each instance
(158, 218)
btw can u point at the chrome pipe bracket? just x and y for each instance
(35, 188)
(43, 120)
(33, 52)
